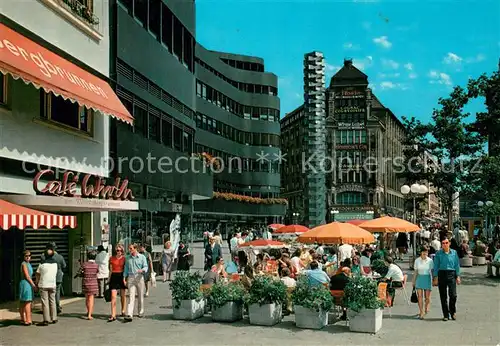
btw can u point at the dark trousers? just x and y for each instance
(447, 285)
(58, 295)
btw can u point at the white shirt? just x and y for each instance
(436, 245)
(48, 274)
(345, 251)
(320, 250)
(288, 281)
(102, 259)
(395, 273)
(296, 263)
(426, 234)
(364, 261)
(423, 267)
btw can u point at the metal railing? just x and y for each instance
(82, 11)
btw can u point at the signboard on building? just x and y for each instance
(351, 147)
(353, 125)
(353, 216)
(350, 93)
(67, 186)
(349, 109)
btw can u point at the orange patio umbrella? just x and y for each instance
(355, 222)
(275, 226)
(292, 229)
(389, 224)
(336, 233)
(263, 244)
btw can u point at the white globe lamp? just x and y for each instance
(480, 204)
(423, 189)
(405, 189)
(489, 203)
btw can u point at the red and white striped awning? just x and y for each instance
(13, 215)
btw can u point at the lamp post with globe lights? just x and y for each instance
(415, 190)
(486, 205)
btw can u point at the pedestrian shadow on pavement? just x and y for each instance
(471, 279)
(8, 323)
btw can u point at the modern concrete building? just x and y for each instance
(55, 108)
(364, 138)
(208, 114)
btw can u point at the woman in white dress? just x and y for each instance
(422, 280)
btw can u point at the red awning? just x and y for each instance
(22, 58)
(13, 215)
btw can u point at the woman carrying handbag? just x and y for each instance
(422, 280)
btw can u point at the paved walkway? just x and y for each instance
(478, 324)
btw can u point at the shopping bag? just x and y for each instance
(153, 279)
(414, 298)
(107, 294)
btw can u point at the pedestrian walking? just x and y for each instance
(26, 287)
(422, 280)
(117, 280)
(136, 265)
(89, 272)
(183, 255)
(61, 266)
(447, 276)
(147, 275)
(167, 259)
(102, 260)
(46, 275)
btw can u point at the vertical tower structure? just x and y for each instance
(314, 154)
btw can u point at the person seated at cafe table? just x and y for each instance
(220, 268)
(338, 282)
(211, 277)
(395, 277)
(316, 276)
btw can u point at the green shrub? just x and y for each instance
(380, 267)
(362, 293)
(222, 293)
(266, 290)
(185, 286)
(312, 297)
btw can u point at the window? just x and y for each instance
(198, 120)
(178, 32)
(128, 5)
(177, 138)
(166, 27)
(166, 130)
(188, 50)
(198, 89)
(3, 88)
(140, 119)
(187, 142)
(363, 136)
(154, 17)
(141, 11)
(65, 112)
(154, 127)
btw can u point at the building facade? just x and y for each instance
(55, 110)
(208, 114)
(364, 142)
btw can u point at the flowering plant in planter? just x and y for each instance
(266, 290)
(312, 297)
(248, 199)
(362, 293)
(222, 293)
(186, 286)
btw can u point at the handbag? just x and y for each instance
(414, 298)
(107, 294)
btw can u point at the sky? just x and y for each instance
(412, 51)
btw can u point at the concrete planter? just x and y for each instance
(479, 260)
(229, 312)
(189, 310)
(365, 321)
(265, 315)
(310, 319)
(466, 262)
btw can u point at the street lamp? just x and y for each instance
(488, 204)
(415, 190)
(295, 217)
(332, 214)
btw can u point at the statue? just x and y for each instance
(175, 233)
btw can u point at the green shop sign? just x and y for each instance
(353, 216)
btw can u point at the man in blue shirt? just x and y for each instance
(447, 276)
(317, 276)
(136, 265)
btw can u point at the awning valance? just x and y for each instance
(13, 215)
(22, 58)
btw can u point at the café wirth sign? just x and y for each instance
(67, 186)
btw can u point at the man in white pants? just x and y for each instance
(133, 276)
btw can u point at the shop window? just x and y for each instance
(141, 11)
(178, 29)
(177, 138)
(154, 128)
(166, 27)
(64, 112)
(140, 120)
(166, 129)
(128, 4)
(3, 88)
(154, 17)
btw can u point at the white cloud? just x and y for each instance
(386, 85)
(452, 58)
(350, 46)
(440, 78)
(383, 41)
(363, 63)
(390, 64)
(476, 59)
(412, 75)
(409, 66)
(332, 68)
(389, 75)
